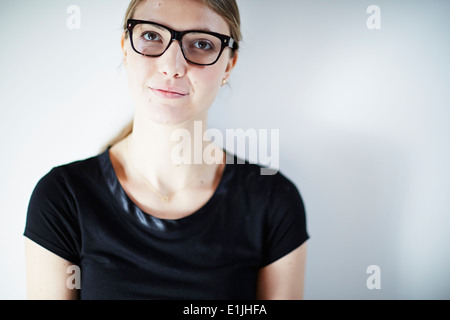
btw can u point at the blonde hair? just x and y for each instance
(227, 9)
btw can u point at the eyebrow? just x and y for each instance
(157, 26)
(161, 26)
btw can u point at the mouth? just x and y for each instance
(169, 93)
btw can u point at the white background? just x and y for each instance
(363, 118)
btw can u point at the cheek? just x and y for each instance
(136, 69)
(205, 92)
(138, 72)
(207, 81)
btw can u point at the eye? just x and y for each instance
(151, 36)
(203, 45)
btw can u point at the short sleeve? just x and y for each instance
(286, 222)
(51, 217)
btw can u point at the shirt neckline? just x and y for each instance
(166, 226)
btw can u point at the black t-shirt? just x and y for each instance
(80, 212)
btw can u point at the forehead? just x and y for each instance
(181, 15)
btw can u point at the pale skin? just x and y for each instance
(157, 116)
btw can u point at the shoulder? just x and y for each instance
(267, 185)
(275, 205)
(62, 178)
(53, 216)
(85, 166)
(259, 176)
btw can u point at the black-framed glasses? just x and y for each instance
(198, 47)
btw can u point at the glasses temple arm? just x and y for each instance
(231, 43)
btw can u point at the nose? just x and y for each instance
(172, 63)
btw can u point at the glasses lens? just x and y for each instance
(150, 39)
(201, 48)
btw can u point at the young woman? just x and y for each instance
(138, 225)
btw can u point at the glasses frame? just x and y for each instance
(226, 41)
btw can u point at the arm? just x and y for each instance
(284, 278)
(47, 274)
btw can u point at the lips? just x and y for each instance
(169, 92)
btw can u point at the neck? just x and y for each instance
(156, 151)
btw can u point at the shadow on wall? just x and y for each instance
(355, 188)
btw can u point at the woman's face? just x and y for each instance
(168, 90)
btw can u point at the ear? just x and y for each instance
(231, 64)
(123, 44)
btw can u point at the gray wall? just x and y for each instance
(362, 114)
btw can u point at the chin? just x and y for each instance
(168, 117)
